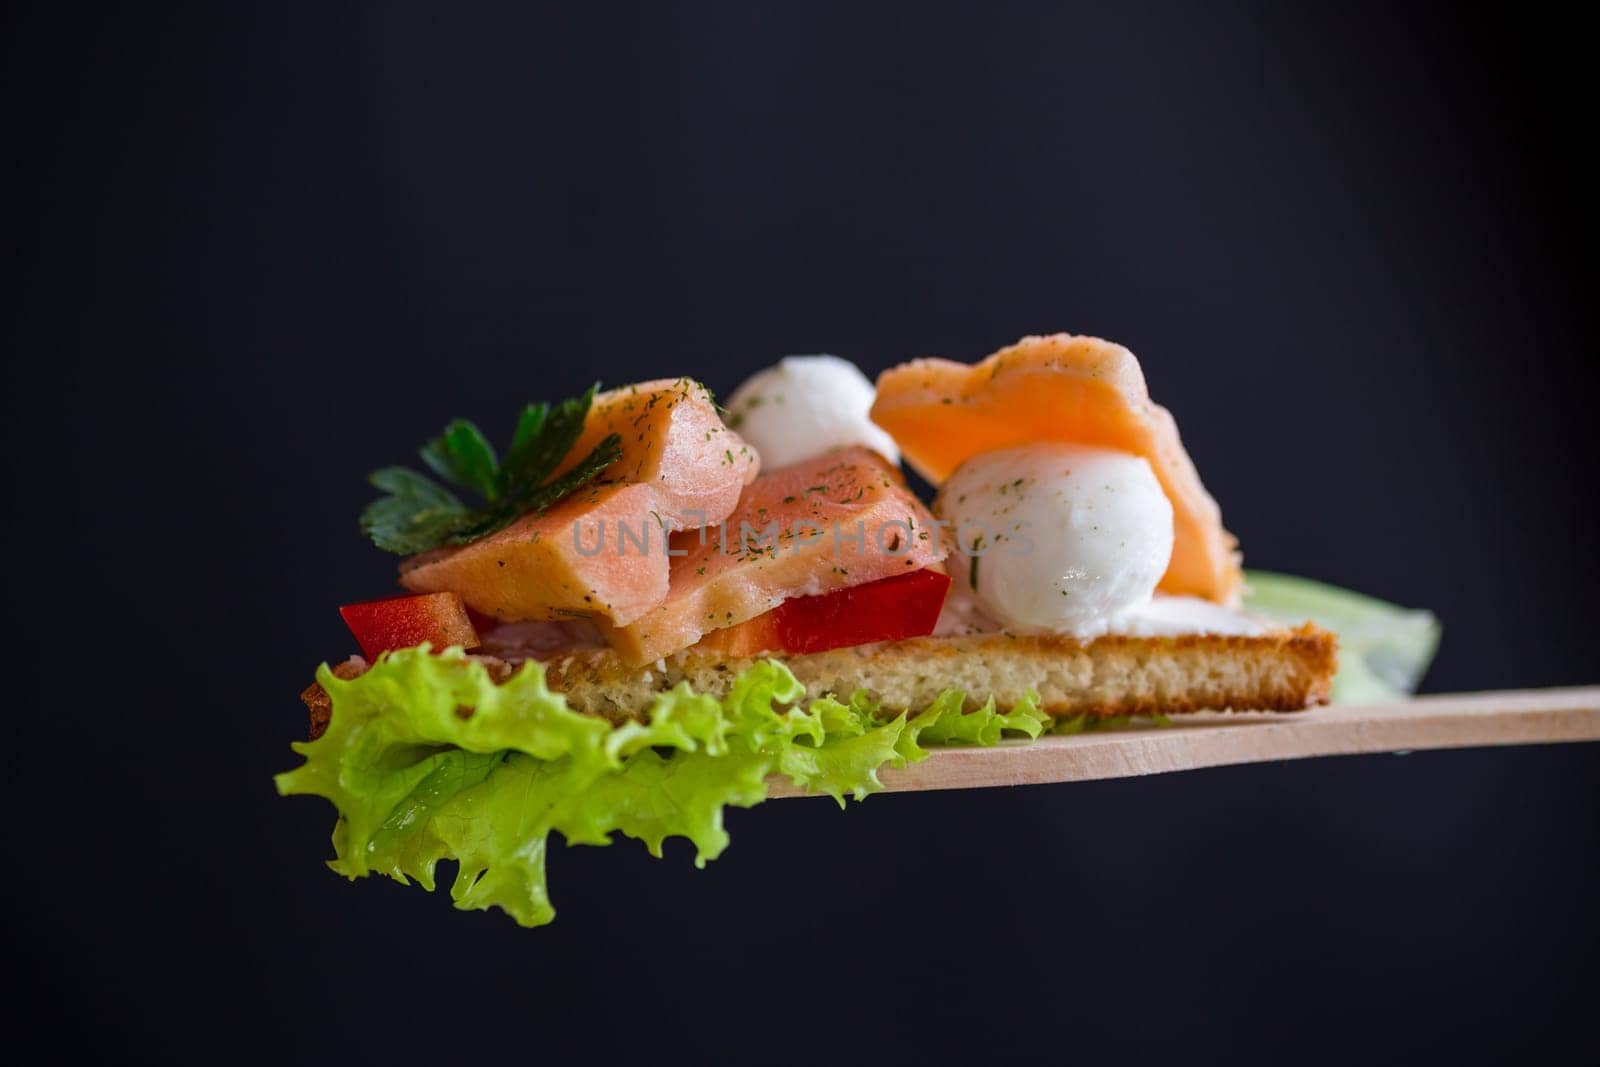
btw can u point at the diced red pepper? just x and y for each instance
(407, 621)
(890, 609)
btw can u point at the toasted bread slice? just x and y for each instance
(1284, 670)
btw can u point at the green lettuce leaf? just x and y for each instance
(1384, 650)
(428, 760)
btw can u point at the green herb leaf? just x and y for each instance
(463, 457)
(419, 514)
(537, 452)
(588, 469)
(530, 428)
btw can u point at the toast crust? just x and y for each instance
(1115, 675)
(1284, 670)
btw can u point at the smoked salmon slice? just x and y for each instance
(839, 520)
(1080, 390)
(601, 553)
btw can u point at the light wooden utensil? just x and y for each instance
(1456, 720)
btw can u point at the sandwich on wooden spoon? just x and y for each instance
(653, 609)
(1088, 564)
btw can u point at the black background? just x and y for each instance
(262, 251)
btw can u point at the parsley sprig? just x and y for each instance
(418, 513)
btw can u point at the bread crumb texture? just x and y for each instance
(1286, 670)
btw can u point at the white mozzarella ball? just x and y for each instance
(805, 406)
(1057, 538)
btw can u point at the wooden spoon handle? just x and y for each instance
(1455, 720)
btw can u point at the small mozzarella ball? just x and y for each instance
(1057, 537)
(806, 406)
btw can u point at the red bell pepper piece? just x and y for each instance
(407, 621)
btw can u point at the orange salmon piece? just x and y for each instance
(836, 521)
(1079, 390)
(601, 553)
